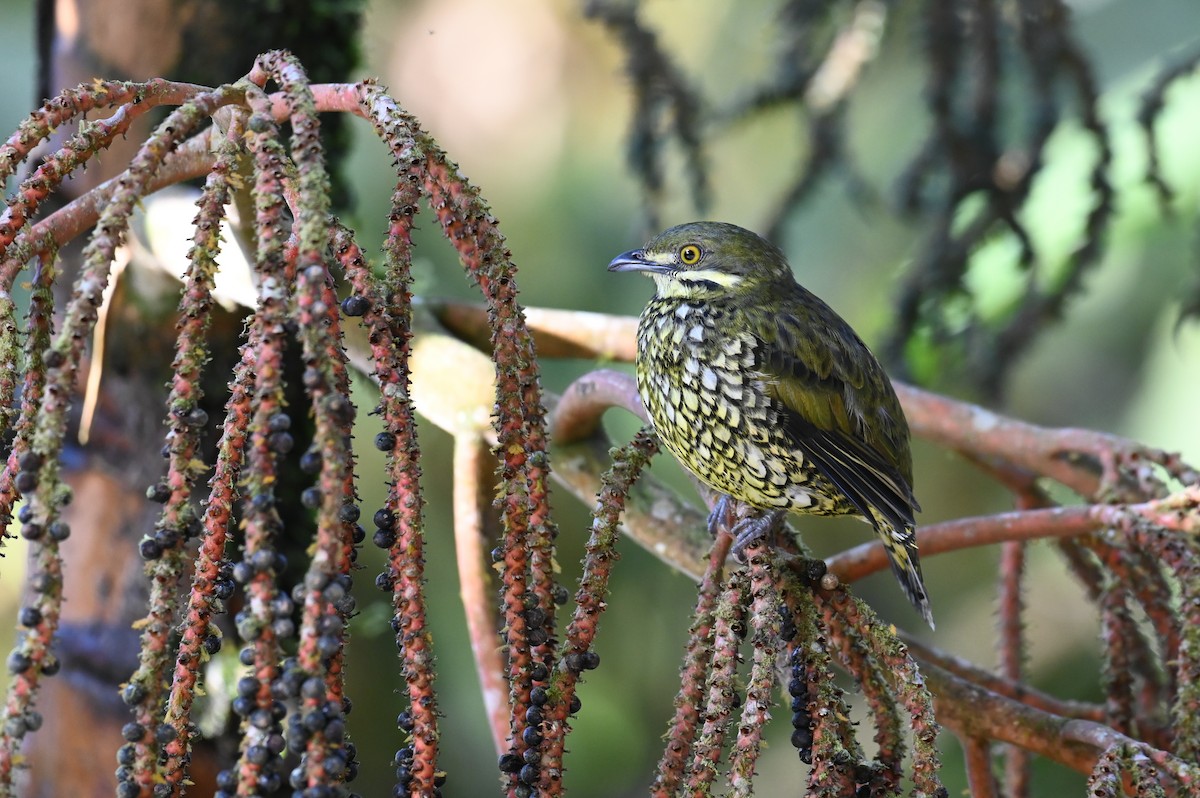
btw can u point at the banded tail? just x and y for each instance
(901, 548)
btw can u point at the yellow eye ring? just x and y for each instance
(689, 254)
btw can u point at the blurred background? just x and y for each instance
(531, 100)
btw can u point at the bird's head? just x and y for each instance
(706, 260)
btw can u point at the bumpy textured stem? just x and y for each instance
(721, 690)
(765, 624)
(149, 682)
(685, 724)
(590, 603)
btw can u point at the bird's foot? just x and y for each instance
(721, 515)
(754, 528)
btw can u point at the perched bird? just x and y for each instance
(768, 396)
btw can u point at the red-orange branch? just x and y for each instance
(1055, 522)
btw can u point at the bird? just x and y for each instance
(768, 396)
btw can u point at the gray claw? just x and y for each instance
(753, 529)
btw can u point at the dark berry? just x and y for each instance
(262, 560)
(281, 442)
(19, 662)
(150, 549)
(29, 461)
(355, 305)
(243, 572)
(311, 498)
(26, 481)
(126, 754)
(814, 570)
(133, 694)
(227, 780)
(312, 688)
(310, 461)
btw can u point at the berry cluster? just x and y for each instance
(802, 720)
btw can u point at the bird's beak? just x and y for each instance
(635, 261)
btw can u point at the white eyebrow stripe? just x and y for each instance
(709, 276)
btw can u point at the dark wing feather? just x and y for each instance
(838, 405)
(858, 472)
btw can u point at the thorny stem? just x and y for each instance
(833, 751)
(31, 657)
(145, 689)
(258, 628)
(388, 319)
(908, 685)
(765, 626)
(685, 723)
(327, 584)
(857, 658)
(528, 581)
(590, 602)
(721, 689)
(67, 350)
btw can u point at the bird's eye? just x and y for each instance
(689, 254)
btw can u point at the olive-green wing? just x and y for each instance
(837, 405)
